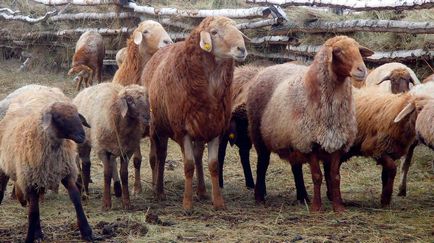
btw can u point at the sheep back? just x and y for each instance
(89, 51)
(425, 125)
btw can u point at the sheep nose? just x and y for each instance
(242, 50)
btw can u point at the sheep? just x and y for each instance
(190, 97)
(38, 151)
(118, 116)
(146, 39)
(307, 113)
(386, 130)
(237, 133)
(424, 132)
(88, 59)
(120, 56)
(393, 77)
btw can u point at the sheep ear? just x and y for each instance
(46, 120)
(124, 107)
(365, 52)
(245, 37)
(205, 41)
(384, 79)
(137, 37)
(404, 112)
(71, 71)
(83, 120)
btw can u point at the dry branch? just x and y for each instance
(28, 19)
(360, 25)
(260, 23)
(93, 16)
(281, 40)
(75, 2)
(10, 11)
(357, 5)
(307, 52)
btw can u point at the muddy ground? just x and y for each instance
(281, 219)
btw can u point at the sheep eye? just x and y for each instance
(145, 32)
(214, 32)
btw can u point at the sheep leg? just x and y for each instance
(117, 188)
(317, 180)
(74, 195)
(153, 161)
(405, 166)
(3, 183)
(108, 173)
(198, 148)
(326, 165)
(213, 167)
(335, 182)
(137, 160)
(80, 80)
(34, 231)
(261, 171)
(188, 154)
(387, 178)
(20, 196)
(297, 171)
(124, 178)
(161, 152)
(84, 154)
(222, 153)
(244, 152)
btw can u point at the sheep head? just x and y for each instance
(150, 36)
(221, 37)
(134, 103)
(400, 80)
(346, 56)
(64, 122)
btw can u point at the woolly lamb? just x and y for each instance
(118, 116)
(120, 56)
(238, 133)
(393, 77)
(38, 152)
(306, 114)
(424, 132)
(146, 39)
(190, 96)
(88, 59)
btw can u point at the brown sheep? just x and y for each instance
(306, 114)
(146, 39)
(238, 133)
(118, 116)
(88, 59)
(38, 151)
(190, 97)
(393, 77)
(386, 129)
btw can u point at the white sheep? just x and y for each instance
(118, 116)
(37, 151)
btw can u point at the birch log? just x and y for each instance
(27, 19)
(395, 26)
(75, 2)
(93, 16)
(358, 5)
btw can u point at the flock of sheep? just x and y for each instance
(191, 92)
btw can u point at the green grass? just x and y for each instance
(409, 219)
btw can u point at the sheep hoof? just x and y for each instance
(137, 189)
(338, 208)
(126, 205)
(250, 187)
(316, 208)
(106, 206)
(202, 195)
(260, 199)
(402, 192)
(160, 196)
(117, 188)
(219, 204)
(187, 205)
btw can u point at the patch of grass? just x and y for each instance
(408, 219)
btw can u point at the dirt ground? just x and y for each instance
(408, 219)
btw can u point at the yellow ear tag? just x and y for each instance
(231, 136)
(207, 47)
(150, 110)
